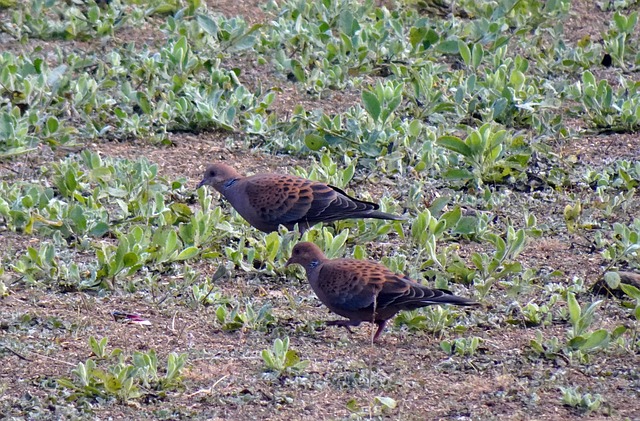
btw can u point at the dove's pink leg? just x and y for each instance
(381, 324)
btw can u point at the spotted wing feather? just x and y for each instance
(279, 199)
(354, 284)
(283, 199)
(350, 284)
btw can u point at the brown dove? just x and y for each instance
(268, 200)
(363, 290)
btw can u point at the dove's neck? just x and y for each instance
(229, 183)
(313, 267)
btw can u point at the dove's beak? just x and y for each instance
(202, 183)
(289, 263)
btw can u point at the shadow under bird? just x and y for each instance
(363, 290)
(269, 200)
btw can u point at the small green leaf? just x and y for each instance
(467, 225)
(371, 104)
(631, 291)
(617, 332)
(455, 144)
(588, 79)
(52, 125)
(477, 54)
(387, 401)
(446, 347)
(181, 209)
(70, 182)
(298, 71)
(56, 74)
(438, 205)
(517, 79)
(574, 308)
(188, 253)
(348, 24)
(315, 142)
(171, 241)
(612, 279)
(598, 339)
(465, 52)
(348, 173)
(416, 35)
(458, 174)
(414, 129)
(621, 21)
(291, 358)
(130, 259)
(352, 405)
(207, 24)
(536, 346)
(144, 103)
(268, 358)
(448, 47)
(576, 342)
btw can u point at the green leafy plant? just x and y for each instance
(461, 115)
(492, 155)
(380, 406)
(634, 293)
(461, 346)
(586, 402)
(606, 109)
(99, 348)
(616, 40)
(624, 242)
(328, 171)
(535, 315)
(51, 20)
(281, 360)
(381, 101)
(37, 265)
(502, 263)
(244, 317)
(581, 339)
(121, 380)
(427, 231)
(581, 319)
(549, 347)
(432, 319)
(206, 293)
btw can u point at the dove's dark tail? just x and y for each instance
(347, 207)
(383, 215)
(443, 296)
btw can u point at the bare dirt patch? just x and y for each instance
(586, 20)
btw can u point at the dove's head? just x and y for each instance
(218, 175)
(306, 254)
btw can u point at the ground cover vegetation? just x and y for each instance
(506, 131)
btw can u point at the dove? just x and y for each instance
(269, 200)
(363, 290)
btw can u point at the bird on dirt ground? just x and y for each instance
(269, 200)
(363, 290)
